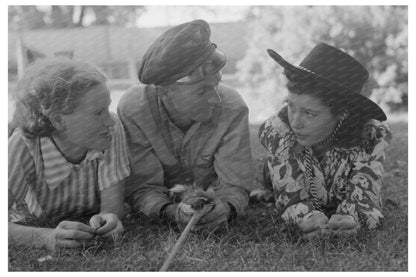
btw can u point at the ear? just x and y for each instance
(58, 122)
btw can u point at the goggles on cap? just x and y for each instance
(210, 67)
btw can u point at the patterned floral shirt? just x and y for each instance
(347, 180)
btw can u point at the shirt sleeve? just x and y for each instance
(145, 190)
(276, 137)
(21, 168)
(233, 163)
(114, 167)
(290, 195)
(268, 138)
(289, 191)
(363, 199)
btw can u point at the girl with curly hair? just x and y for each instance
(67, 157)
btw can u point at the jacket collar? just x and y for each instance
(56, 167)
(148, 110)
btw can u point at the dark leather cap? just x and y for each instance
(176, 53)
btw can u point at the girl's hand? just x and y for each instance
(68, 234)
(341, 225)
(261, 195)
(107, 225)
(312, 224)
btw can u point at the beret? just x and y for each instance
(176, 53)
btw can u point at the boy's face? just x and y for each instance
(195, 96)
(90, 125)
(196, 101)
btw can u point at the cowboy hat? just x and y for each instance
(338, 70)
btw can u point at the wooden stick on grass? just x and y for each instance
(195, 218)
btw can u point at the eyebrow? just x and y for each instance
(312, 111)
(303, 108)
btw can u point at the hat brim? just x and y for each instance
(367, 105)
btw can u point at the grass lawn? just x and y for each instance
(255, 243)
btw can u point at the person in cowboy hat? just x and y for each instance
(186, 128)
(326, 146)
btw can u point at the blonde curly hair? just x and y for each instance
(49, 87)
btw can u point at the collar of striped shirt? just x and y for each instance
(56, 167)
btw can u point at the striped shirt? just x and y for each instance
(44, 185)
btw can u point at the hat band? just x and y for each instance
(327, 79)
(304, 68)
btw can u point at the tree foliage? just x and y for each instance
(375, 35)
(25, 17)
(58, 17)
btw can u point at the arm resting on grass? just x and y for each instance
(233, 163)
(112, 200)
(26, 235)
(145, 190)
(363, 200)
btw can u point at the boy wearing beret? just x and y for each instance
(186, 128)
